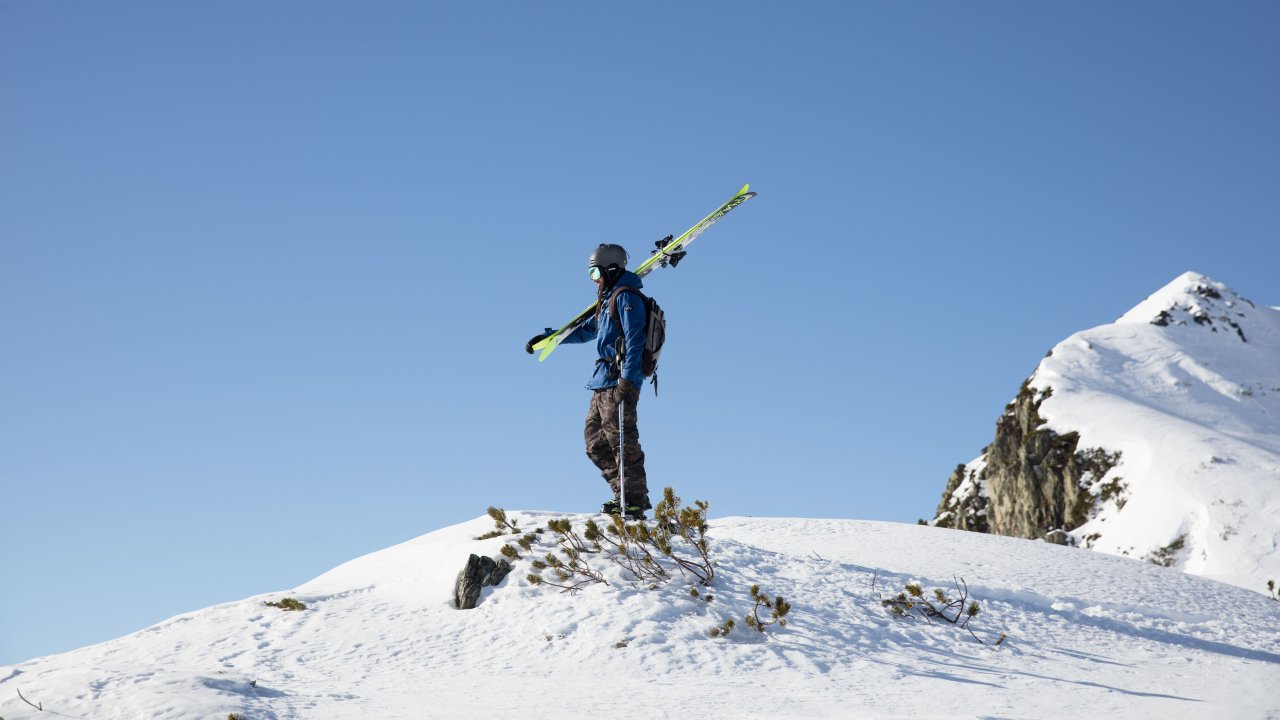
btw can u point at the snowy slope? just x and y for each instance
(1186, 386)
(1090, 635)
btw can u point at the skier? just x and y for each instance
(615, 385)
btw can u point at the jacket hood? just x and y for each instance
(628, 279)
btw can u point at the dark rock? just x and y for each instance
(480, 571)
(1208, 291)
(1034, 482)
(966, 511)
(1057, 536)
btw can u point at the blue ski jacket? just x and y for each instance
(605, 331)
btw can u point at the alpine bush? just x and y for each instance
(674, 546)
(574, 572)
(778, 606)
(501, 525)
(939, 604)
(1167, 555)
(723, 628)
(651, 554)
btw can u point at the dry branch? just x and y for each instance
(39, 707)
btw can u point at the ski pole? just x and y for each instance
(622, 456)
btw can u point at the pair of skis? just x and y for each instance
(669, 253)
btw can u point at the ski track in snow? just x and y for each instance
(1089, 635)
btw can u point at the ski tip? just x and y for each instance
(546, 350)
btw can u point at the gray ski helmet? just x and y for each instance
(606, 255)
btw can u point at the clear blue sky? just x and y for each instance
(266, 269)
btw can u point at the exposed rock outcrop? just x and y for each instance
(964, 504)
(1031, 482)
(1186, 384)
(480, 572)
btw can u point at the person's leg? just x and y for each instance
(637, 482)
(600, 449)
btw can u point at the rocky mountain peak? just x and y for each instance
(1155, 437)
(1194, 300)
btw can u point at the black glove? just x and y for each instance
(528, 347)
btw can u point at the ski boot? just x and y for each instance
(631, 512)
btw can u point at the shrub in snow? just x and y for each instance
(501, 525)
(778, 606)
(723, 628)
(633, 546)
(1271, 589)
(651, 554)
(287, 604)
(1167, 555)
(689, 523)
(1115, 491)
(574, 572)
(957, 610)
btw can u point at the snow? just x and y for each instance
(1193, 406)
(1089, 635)
(1192, 403)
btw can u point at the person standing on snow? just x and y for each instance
(618, 327)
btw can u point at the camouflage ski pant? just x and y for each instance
(601, 435)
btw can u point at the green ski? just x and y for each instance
(669, 253)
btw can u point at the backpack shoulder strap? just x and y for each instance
(613, 301)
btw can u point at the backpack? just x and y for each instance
(655, 332)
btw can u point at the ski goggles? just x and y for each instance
(596, 272)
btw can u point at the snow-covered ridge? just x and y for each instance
(1192, 298)
(1186, 388)
(1089, 635)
